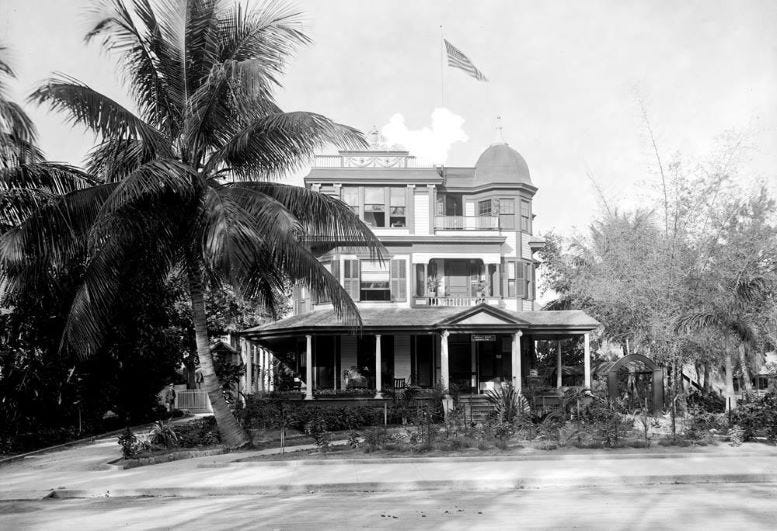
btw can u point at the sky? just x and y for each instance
(568, 78)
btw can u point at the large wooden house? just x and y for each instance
(453, 303)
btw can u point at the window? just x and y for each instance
(351, 278)
(350, 196)
(420, 280)
(398, 198)
(529, 276)
(507, 214)
(511, 271)
(323, 296)
(484, 208)
(375, 207)
(399, 280)
(375, 282)
(525, 217)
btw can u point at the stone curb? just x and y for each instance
(491, 485)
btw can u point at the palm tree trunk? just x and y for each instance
(731, 398)
(748, 383)
(232, 435)
(707, 377)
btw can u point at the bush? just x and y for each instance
(508, 403)
(131, 446)
(162, 434)
(699, 425)
(199, 432)
(273, 414)
(708, 403)
(757, 416)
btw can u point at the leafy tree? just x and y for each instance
(186, 177)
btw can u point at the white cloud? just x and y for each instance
(429, 144)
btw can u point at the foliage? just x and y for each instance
(603, 422)
(757, 416)
(185, 181)
(162, 434)
(508, 403)
(198, 432)
(131, 446)
(707, 402)
(275, 413)
(701, 424)
(375, 439)
(316, 428)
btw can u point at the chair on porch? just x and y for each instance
(400, 383)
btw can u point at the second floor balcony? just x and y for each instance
(466, 223)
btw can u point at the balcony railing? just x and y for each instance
(454, 301)
(466, 222)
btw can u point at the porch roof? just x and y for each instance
(431, 320)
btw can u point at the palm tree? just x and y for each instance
(730, 313)
(189, 175)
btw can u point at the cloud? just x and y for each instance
(429, 144)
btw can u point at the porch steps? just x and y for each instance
(476, 407)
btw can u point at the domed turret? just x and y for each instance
(501, 164)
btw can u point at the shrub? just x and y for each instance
(508, 403)
(375, 439)
(131, 446)
(757, 416)
(706, 402)
(162, 434)
(316, 428)
(199, 432)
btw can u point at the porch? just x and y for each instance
(468, 351)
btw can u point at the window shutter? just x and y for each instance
(351, 278)
(399, 280)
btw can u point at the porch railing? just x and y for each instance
(466, 222)
(453, 301)
(195, 400)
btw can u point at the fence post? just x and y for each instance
(385, 414)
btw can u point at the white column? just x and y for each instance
(558, 364)
(252, 378)
(587, 358)
(516, 352)
(444, 369)
(309, 368)
(378, 375)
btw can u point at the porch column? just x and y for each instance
(516, 352)
(378, 375)
(309, 368)
(587, 358)
(558, 364)
(444, 369)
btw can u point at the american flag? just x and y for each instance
(457, 59)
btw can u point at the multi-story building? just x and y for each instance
(454, 300)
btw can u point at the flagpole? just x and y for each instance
(442, 68)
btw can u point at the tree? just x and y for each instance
(188, 177)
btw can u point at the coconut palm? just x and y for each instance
(189, 175)
(27, 180)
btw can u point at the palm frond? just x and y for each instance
(148, 58)
(275, 144)
(99, 113)
(125, 235)
(323, 218)
(15, 122)
(114, 159)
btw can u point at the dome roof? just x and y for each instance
(501, 164)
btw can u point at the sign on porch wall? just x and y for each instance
(483, 337)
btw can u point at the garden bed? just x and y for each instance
(164, 456)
